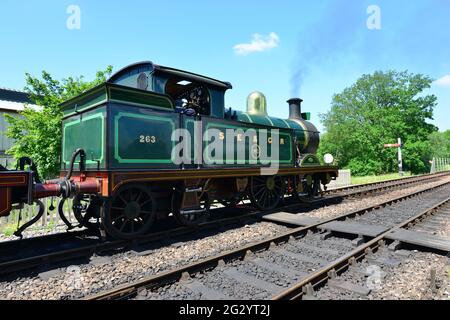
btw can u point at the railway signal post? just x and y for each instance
(399, 155)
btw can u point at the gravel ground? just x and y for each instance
(412, 280)
(405, 276)
(399, 212)
(37, 232)
(333, 211)
(312, 253)
(107, 272)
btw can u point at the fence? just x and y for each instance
(440, 164)
(6, 161)
(50, 219)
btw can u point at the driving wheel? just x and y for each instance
(130, 212)
(265, 192)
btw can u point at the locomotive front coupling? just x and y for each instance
(20, 186)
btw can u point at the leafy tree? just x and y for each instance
(440, 144)
(37, 133)
(378, 109)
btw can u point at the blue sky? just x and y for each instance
(325, 43)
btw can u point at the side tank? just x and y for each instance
(306, 133)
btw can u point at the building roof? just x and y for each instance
(14, 100)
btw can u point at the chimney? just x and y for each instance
(295, 108)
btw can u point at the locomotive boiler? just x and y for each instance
(123, 166)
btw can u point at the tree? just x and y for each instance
(37, 133)
(440, 144)
(378, 109)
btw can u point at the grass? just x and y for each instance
(384, 177)
(8, 229)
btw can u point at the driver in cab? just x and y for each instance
(192, 102)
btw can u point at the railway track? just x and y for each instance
(348, 277)
(383, 185)
(280, 267)
(29, 253)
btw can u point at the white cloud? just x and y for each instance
(259, 43)
(443, 82)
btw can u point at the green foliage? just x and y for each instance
(378, 109)
(37, 133)
(440, 144)
(8, 229)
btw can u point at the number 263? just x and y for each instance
(147, 139)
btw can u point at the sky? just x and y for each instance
(301, 48)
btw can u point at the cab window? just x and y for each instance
(191, 98)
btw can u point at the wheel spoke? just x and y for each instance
(266, 199)
(139, 196)
(123, 199)
(259, 192)
(259, 185)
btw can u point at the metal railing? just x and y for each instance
(50, 219)
(440, 165)
(7, 161)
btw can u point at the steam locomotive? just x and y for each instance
(125, 167)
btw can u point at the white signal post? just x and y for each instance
(400, 161)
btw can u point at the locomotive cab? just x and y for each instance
(192, 94)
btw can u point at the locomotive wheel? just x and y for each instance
(307, 188)
(86, 210)
(193, 218)
(130, 213)
(266, 193)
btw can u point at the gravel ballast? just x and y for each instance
(81, 280)
(301, 256)
(333, 211)
(406, 276)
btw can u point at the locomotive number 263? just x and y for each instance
(147, 139)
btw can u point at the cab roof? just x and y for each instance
(171, 72)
